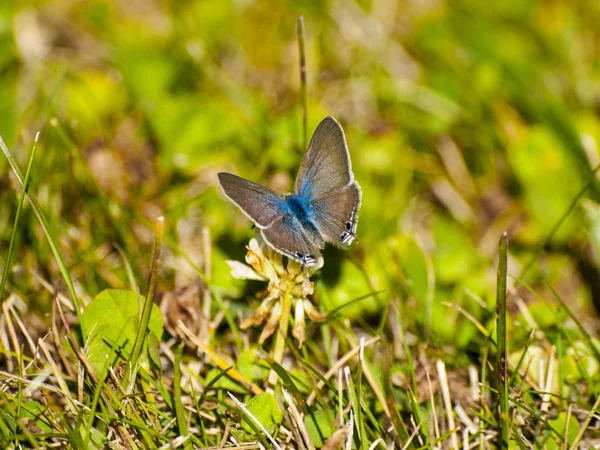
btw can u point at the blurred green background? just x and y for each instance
(463, 118)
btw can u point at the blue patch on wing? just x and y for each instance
(305, 189)
(299, 207)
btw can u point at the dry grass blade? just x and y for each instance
(298, 421)
(412, 436)
(443, 378)
(338, 365)
(220, 361)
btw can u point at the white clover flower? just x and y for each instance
(291, 279)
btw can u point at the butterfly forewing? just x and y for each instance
(259, 203)
(326, 164)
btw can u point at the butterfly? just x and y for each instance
(323, 208)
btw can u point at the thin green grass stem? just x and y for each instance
(586, 336)
(179, 409)
(13, 237)
(148, 302)
(46, 228)
(585, 425)
(502, 362)
(303, 87)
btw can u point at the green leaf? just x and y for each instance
(351, 284)
(110, 323)
(560, 423)
(266, 410)
(455, 256)
(539, 151)
(248, 364)
(153, 344)
(243, 435)
(578, 358)
(320, 426)
(413, 262)
(34, 410)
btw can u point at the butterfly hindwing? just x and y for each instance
(336, 214)
(289, 237)
(259, 203)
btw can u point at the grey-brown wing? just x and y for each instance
(336, 214)
(287, 235)
(326, 164)
(259, 203)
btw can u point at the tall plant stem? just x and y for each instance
(502, 363)
(303, 89)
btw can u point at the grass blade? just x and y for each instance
(13, 237)
(502, 363)
(586, 336)
(46, 228)
(148, 302)
(585, 425)
(179, 410)
(210, 384)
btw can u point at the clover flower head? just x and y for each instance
(291, 279)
